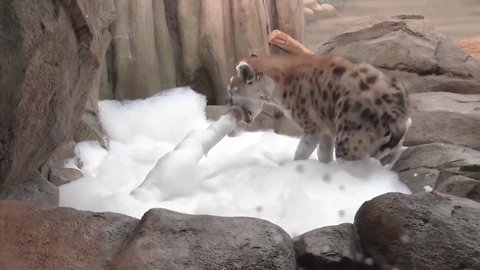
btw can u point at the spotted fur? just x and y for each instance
(351, 107)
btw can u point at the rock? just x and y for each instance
(419, 179)
(309, 3)
(37, 190)
(331, 247)
(325, 11)
(421, 231)
(61, 238)
(421, 165)
(169, 240)
(49, 53)
(436, 155)
(161, 44)
(335, 3)
(54, 169)
(470, 46)
(461, 186)
(445, 117)
(470, 171)
(90, 129)
(424, 60)
(309, 14)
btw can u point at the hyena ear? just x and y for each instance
(245, 72)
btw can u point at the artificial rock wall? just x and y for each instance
(161, 44)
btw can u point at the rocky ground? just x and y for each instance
(51, 65)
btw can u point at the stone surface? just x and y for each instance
(169, 240)
(36, 189)
(61, 238)
(421, 231)
(419, 179)
(436, 156)
(470, 46)
(445, 118)
(49, 53)
(422, 165)
(461, 186)
(424, 60)
(90, 129)
(331, 247)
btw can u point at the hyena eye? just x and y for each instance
(249, 82)
(249, 113)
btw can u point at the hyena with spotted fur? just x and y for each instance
(351, 107)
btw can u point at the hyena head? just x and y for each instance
(249, 90)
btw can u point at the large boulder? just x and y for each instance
(61, 238)
(445, 118)
(161, 44)
(410, 49)
(421, 231)
(49, 53)
(169, 240)
(332, 247)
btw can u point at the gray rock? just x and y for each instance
(424, 60)
(436, 156)
(419, 179)
(331, 247)
(424, 165)
(470, 171)
(461, 186)
(60, 238)
(421, 231)
(446, 118)
(169, 240)
(49, 53)
(36, 189)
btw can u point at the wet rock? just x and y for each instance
(331, 247)
(49, 53)
(461, 186)
(424, 60)
(421, 166)
(169, 240)
(37, 190)
(446, 118)
(421, 231)
(61, 238)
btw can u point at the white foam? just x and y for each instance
(249, 175)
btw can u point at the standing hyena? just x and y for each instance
(352, 107)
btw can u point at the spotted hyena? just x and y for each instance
(351, 107)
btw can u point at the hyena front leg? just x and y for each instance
(325, 147)
(306, 146)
